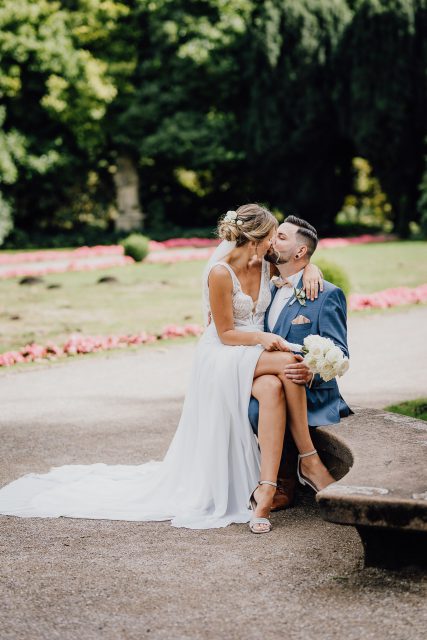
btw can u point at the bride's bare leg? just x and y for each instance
(296, 403)
(269, 392)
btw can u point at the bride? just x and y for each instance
(215, 470)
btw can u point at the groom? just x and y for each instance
(289, 317)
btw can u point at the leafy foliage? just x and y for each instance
(6, 224)
(216, 102)
(367, 203)
(54, 95)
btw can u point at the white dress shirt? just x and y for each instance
(281, 299)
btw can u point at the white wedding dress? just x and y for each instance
(212, 464)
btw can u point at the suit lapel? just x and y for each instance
(273, 290)
(288, 313)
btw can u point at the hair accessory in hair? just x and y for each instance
(231, 216)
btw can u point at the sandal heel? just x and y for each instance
(301, 478)
(252, 504)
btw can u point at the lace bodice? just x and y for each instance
(245, 312)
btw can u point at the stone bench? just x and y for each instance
(379, 460)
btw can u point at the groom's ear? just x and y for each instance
(302, 252)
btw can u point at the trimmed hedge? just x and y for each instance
(136, 246)
(335, 274)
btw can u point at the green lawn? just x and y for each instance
(373, 267)
(413, 408)
(147, 297)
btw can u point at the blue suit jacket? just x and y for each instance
(328, 318)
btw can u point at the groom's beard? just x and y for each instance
(275, 257)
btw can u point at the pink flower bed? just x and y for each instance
(74, 265)
(174, 243)
(198, 243)
(153, 245)
(331, 243)
(48, 255)
(54, 254)
(160, 253)
(77, 344)
(165, 257)
(388, 298)
(326, 243)
(172, 257)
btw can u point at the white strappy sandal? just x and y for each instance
(301, 478)
(253, 505)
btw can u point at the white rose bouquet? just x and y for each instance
(322, 356)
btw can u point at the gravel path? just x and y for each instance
(69, 578)
(388, 353)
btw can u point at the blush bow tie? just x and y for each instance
(280, 282)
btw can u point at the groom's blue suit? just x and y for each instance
(328, 318)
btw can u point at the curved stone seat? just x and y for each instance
(379, 459)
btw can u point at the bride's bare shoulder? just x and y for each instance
(219, 275)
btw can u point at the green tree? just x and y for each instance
(296, 158)
(191, 107)
(54, 95)
(381, 96)
(367, 203)
(175, 124)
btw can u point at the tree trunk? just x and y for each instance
(127, 192)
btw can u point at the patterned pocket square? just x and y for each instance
(301, 320)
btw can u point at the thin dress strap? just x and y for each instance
(234, 278)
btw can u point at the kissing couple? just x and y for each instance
(244, 429)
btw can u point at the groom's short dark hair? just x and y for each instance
(307, 231)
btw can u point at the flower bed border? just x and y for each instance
(167, 249)
(78, 344)
(387, 298)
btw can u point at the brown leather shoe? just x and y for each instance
(285, 494)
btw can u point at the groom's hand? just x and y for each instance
(298, 372)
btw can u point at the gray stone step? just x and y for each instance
(379, 459)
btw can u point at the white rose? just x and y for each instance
(327, 344)
(344, 366)
(313, 344)
(312, 363)
(327, 372)
(311, 340)
(334, 356)
(317, 352)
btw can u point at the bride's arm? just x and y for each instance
(312, 281)
(220, 300)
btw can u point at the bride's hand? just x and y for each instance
(312, 281)
(272, 342)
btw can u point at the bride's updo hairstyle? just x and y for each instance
(250, 222)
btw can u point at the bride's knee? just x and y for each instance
(268, 386)
(286, 357)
